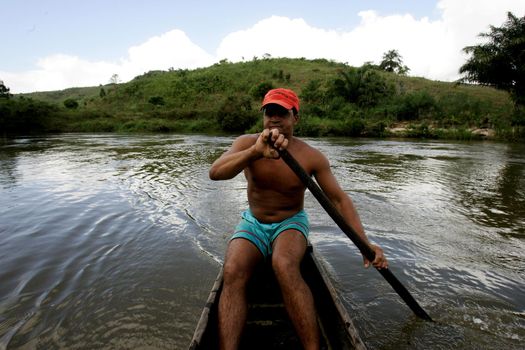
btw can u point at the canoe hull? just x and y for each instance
(268, 325)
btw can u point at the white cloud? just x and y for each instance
(280, 37)
(420, 42)
(171, 49)
(430, 48)
(59, 72)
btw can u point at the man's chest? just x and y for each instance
(274, 175)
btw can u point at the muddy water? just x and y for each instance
(113, 241)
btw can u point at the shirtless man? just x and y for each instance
(275, 226)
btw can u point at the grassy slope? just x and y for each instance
(199, 93)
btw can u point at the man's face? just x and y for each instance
(276, 116)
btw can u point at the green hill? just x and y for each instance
(336, 99)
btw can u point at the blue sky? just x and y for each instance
(50, 45)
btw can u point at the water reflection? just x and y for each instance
(443, 201)
(113, 241)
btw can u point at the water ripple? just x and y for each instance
(113, 241)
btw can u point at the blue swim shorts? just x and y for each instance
(263, 235)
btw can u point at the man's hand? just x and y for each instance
(380, 261)
(263, 146)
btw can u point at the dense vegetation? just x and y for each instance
(500, 62)
(336, 99)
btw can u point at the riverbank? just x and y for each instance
(406, 130)
(336, 100)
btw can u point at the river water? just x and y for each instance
(113, 241)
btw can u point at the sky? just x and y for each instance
(52, 45)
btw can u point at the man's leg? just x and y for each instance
(288, 251)
(241, 258)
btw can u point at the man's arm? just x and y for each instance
(345, 206)
(246, 149)
(235, 159)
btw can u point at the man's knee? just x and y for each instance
(285, 267)
(289, 249)
(241, 259)
(235, 273)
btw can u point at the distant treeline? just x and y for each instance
(336, 100)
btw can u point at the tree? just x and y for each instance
(71, 103)
(4, 91)
(499, 62)
(415, 105)
(115, 79)
(363, 86)
(258, 91)
(393, 62)
(235, 114)
(157, 101)
(311, 93)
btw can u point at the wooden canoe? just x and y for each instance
(268, 325)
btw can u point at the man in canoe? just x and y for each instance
(275, 226)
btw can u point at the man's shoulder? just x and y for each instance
(246, 139)
(304, 147)
(309, 153)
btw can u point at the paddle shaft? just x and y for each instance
(365, 249)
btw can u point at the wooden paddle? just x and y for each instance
(365, 249)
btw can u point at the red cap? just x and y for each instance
(284, 97)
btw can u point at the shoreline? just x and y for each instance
(405, 129)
